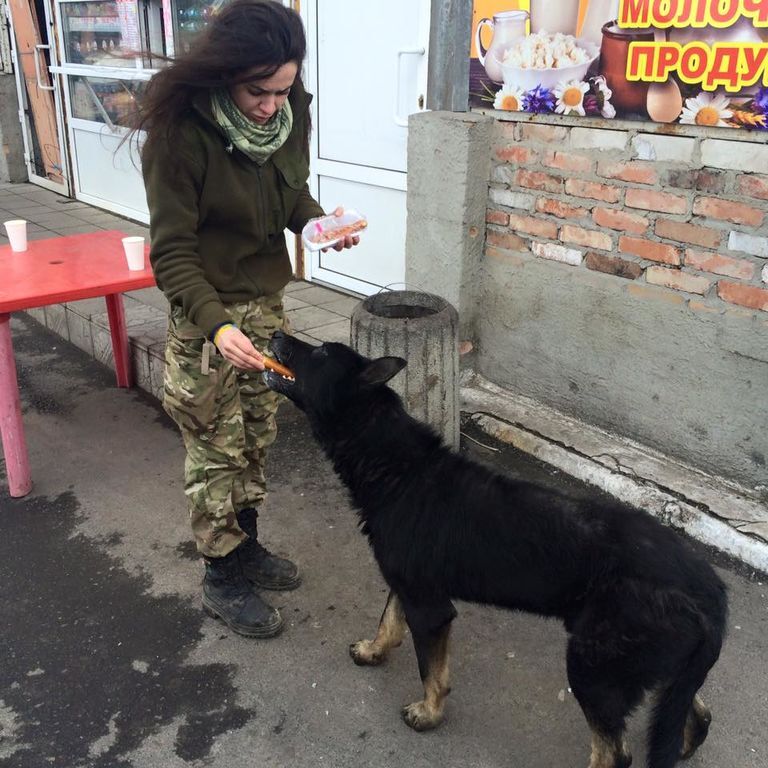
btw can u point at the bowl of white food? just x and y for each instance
(546, 60)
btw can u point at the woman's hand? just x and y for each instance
(236, 348)
(349, 241)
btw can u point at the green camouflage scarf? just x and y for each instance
(258, 142)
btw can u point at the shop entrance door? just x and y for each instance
(367, 66)
(40, 106)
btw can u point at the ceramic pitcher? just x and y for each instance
(507, 27)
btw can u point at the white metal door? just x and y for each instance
(367, 66)
(42, 120)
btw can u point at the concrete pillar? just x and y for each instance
(449, 168)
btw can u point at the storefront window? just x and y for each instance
(191, 17)
(104, 100)
(113, 33)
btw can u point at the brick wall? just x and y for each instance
(618, 275)
(686, 215)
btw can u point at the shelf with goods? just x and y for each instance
(94, 24)
(101, 33)
(105, 100)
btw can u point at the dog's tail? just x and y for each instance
(674, 702)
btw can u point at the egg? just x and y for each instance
(664, 102)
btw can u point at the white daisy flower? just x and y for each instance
(509, 99)
(570, 97)
(706, 109)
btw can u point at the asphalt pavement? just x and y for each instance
(107, 661)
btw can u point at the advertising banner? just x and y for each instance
(702, 62)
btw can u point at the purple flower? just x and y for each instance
(591, 104)
(761, 100)
(760, 105)
(539, 100)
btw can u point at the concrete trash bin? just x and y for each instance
(424, 330)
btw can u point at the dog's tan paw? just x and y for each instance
(364, 654)
(419, 717)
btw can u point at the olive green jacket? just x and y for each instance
(217, 219)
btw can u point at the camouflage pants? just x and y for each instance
(227, 420)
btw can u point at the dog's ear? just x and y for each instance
(380, 371)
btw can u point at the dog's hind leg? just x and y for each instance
(606, 701)
(609, 751)
(430, 630)
(371, 653)
(696, 728)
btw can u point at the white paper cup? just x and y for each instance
(134, 252)
(17, 234)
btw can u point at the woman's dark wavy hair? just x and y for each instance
(243, 35)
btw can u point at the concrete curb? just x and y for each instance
(710, 509)
(85, 325)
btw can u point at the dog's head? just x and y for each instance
(327, 376)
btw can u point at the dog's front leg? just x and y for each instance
(371, 653)
(430, 630)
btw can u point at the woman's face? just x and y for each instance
(259, 100)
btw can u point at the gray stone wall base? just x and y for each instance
(12, 166)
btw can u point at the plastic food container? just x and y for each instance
(326, 231)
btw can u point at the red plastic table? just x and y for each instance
(51, 272)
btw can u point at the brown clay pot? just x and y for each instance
(614, 54)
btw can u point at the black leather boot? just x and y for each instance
(261, 567)
(229, 596)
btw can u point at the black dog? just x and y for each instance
(642, 611)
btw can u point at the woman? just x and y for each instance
(225, 166)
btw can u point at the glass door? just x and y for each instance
(111, 48)
(40, 101)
